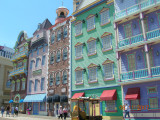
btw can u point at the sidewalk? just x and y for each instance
(29, 117)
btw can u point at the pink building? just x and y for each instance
(37, 70)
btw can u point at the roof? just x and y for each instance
(45, 25)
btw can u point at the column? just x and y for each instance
(145, 46)
(118, 66)
(116, 34)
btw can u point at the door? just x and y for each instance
(57, 108)
(35, 108)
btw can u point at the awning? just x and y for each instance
(77, 95)
(109, 95)
(49, 99)
(35, 98)
(56, 98)
(11, 101)
(63, 98)
(133, 94)
(21, 101)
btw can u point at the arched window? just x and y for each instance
(64, 53)
(58, 78)
(59, 35)
(51, 80)
(58, 55)
(65, 32)
(64, 77)
(52, 38)
(52, 58)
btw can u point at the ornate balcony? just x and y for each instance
(18, 71)
(153, 34)
(19, 55)
(131, 40)
(136, 8)
(155, 71)
(133, 75)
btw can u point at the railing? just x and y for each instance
(17, 71)
(136, 8)
(153, 34)
(131, 75)
(19, 54)
(131, 40)
(155, 71)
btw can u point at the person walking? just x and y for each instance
(127, 109)
(7, 111)
(2, 110)
(60, 113)
(65, 112)
(12, 111)
(16, 110)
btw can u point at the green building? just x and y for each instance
(93, 57)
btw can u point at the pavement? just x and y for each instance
(29, 117)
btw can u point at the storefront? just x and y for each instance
(37, 103)
(108, 106)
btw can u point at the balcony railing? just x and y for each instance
(19, 55)
(136, 8)
(155, 71)
(153, 34)
(132, 75)
(131, 40)
(17, 71)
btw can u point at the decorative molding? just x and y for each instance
(78, 69)
(91, 15)
(78, 44)
(91, 39)
(92, 65)
(107, 62)
(105, 34)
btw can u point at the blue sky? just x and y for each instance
(18, 15)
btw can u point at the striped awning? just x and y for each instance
(35, 98)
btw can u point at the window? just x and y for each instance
(131, 62)
(91, 47)
(106, 42)
(108, 70)
(13, 86)
(152, 89)
(52, 38)
(21, 39)
(90, 23)
(23, 85)
(65, 32)
(78, 28)
(145, 25)
(31, 64)
(8, 84)
(37, 62)
(18, 86)
(79, 51)
(64, 53)
(42, 84)
(20, 64)
(105, 17)
(44, 48)
(93, 74)
(52, 59)
(37, 36)
(51, 80)
(59, 35)
(43, 60)
(37, 51)
(30, 86)
(128, 30)
(79, 78)
(151, 58)
(36, 85)
(58, 78)
(135, 104)
(110, 105)
(64, 77)
(58, 56)
(42, 106)
(21, 49)
(153, 103)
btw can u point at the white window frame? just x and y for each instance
(91, 23)
(91, 47)
(78, 29)
(135, 104)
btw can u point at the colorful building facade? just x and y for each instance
(59, 62)
(93, 58)
(137, 31)
(19, 73)
(38, 70)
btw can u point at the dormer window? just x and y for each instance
(39, 25)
